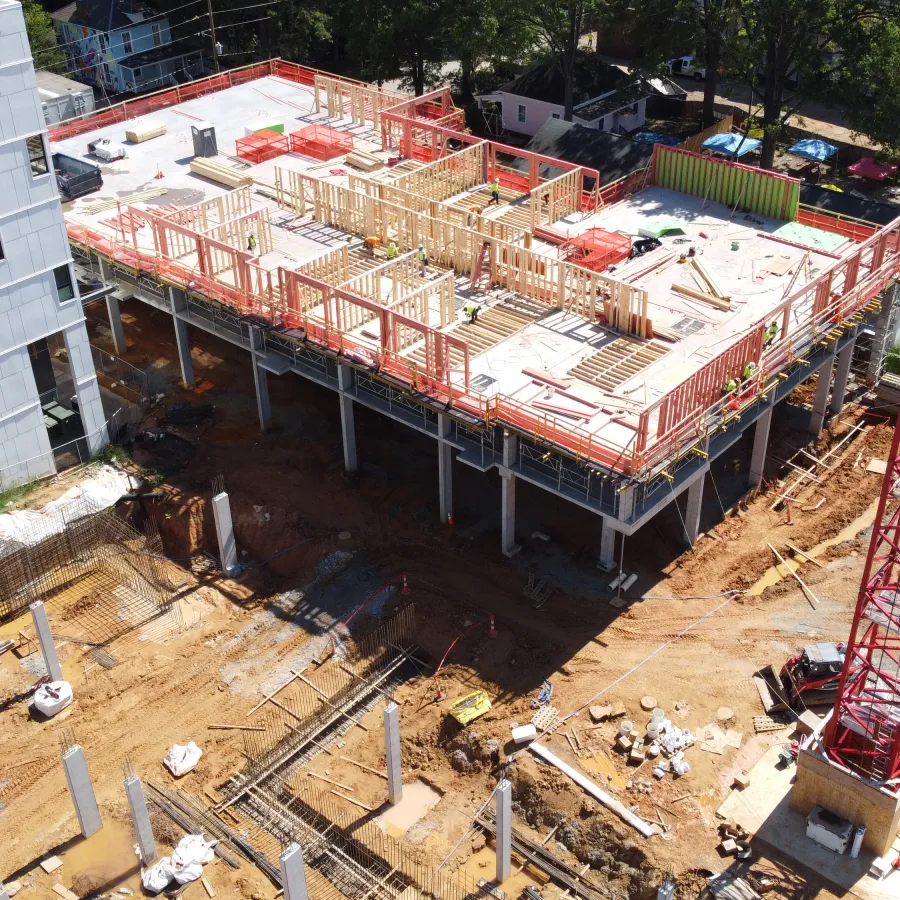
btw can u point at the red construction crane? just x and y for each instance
(863, 733)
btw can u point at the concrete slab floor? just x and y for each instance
(763, 809)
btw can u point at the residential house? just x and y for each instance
(605, 98)
(124, 46)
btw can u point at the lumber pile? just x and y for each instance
(364, 161)
(145, 132)
(219, 172)
(104, 203)
(888, 390)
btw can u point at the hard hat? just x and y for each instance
(497, 181)
(420, 246)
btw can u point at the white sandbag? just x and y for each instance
(53, 697)
(189, 857)
(158, 876)
(182, 758)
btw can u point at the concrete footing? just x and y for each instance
(392, 753)
(504, 830)
(293, 873)
(841, 377)
(348, 425)
(45, 639)
(760, 448)
(225, 533)
(81, 790)
(820, 403)
(260, 378)
(694, 506)
(140, 818)
(445, 469)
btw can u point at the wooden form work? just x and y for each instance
(361, 103)
(616, 362)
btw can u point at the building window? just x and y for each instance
(522, 112)
(64, 289)
(136, 73)
(554, 115)
(1, 250)
(126, 42)
(157, 38)
(104, 41)
(37, 156)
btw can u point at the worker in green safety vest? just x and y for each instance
(770, 334)
(749, 370)
(392, 250)
(495, 192)
(471, 311)
(730, 386)
(423, 260)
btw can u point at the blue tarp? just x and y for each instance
(813, 148)
(730, 144)
(651, 137)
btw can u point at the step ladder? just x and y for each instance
(479, 271)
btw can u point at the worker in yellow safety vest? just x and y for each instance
(251, 243)
(495, 192)
(770, 334)
(749, 370)
(423, 260)
(392, 250)
(730, 386)
(471, 311)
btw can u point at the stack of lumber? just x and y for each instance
(711, 295)
(888, 390)
(219, 172)
(145, 132)
(364, 161)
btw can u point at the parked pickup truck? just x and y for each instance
(75, 177)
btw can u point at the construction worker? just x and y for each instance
(423, 260)
(471, 311)
(749, 370)
(495, 192)
(392, 250)
(251, 244)
(730, 387)
(770, 334)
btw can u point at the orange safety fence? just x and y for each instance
(321, 142)
(854, 229)
(262, 145)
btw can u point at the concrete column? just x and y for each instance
(504, 830)
(260, 378)
(627, 500)
(225, 533)
(90, 404)
(392, 753)
(607, 560)
(178, 301)
(508, 495)
(293, 873)
(112, 310)
(883, 338)
(140, 818)
(841, 376)
(694, 505)
(82, 791)
(445, 468)
(45, 639)
(348, 426)
(817, 419)
(760, 446)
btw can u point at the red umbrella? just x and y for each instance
(867, 167)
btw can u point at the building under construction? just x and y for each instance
(604, 341)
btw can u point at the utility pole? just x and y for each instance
(212, 32)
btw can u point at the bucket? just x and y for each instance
(626, 727)
(658, 714)
(652, 730)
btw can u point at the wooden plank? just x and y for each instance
(346, 787)
(237, 727)
(364, 767)
(804, 555)
(810, 596)
(207, 887)
(352, 800)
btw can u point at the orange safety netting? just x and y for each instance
(597, 249)
(262, 145)
(321, 142)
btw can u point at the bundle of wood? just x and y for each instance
(219, 172)
(364, 161)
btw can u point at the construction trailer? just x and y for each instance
(601, 385)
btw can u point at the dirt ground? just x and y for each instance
(318, 542)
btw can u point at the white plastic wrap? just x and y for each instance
(158, 876)
(53, 697)
(181, 758)
(189, 857)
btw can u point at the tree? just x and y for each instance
(558, 25)
(42, 37)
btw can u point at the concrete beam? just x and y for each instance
(45, 639)
(348, 424)
(820, 404)
(694, 505)
(225, 533)
(841, 376)
(392, 753)
(293, 873)
(260, 378)
(607, 559)
(81, 790)
(140, 818)
(760, 447)
(445, 468)
(504, 830)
